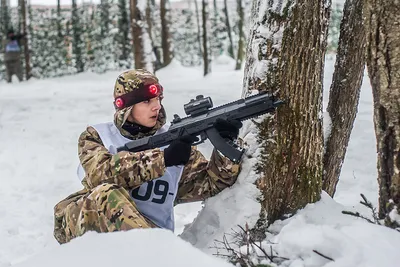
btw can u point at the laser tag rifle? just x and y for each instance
(200, 122)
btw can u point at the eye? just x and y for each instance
(146, 101)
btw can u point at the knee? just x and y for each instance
(101, 192)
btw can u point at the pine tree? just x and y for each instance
(187, 50)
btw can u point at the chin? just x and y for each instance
(151, 124)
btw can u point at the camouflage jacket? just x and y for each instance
(200, 178)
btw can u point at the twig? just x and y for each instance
(323, 256)
(369, 205)
(357, 214)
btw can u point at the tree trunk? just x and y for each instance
(383, 62)
(150, 23)
(123, 23)
(26, 45)
(105, 17)
(228, 29)
(344, 92)
(59, 32)
(196, 7)
(5, 18)
(240, 53)
(76, 38)
(166, 38)
(141, 40)
(289, 62)
(205, 39)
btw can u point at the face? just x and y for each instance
(146, 113)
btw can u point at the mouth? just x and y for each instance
(154, 117)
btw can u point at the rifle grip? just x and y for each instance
(222, 146)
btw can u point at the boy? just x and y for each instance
(128, 190)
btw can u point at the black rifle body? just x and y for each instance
(201, 123)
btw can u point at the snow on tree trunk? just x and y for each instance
(383, 62)
(286, 56)
(166, 38)
(142, 49)
(344, 92)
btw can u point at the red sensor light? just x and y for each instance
(119, 103)
(153, 89)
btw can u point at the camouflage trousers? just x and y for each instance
(106, 208)
(13, 67)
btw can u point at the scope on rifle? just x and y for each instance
(198, 105)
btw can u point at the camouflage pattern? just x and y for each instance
(106, 208)
(104, 204)
(127, 82)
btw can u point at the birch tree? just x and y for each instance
(383, 62)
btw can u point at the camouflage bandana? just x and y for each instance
(127, 82)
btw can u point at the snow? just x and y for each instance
(41, 120)
(323, 228)
(140, 248)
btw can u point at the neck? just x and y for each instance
(134, 128)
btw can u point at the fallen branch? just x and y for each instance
(323, 256)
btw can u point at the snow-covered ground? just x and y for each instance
(40, 121)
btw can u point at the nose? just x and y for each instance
(157, 105)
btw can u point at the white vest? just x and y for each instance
(154, 199)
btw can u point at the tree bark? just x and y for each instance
(383, 62)
(240, 53)
(5, 17)
(289, 62)
(25, 40)
(205, 39)
(140, 37)
(150, 22)
(166, 38)
(345, 91)
(123, 27)
(198, 26)
(229, 30)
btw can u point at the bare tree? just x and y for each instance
(166, 38)
(59, 32)
(204, 13)
(196, 7)
(383, 62)
(344, 91)
(289, 63)
(25, 40)
(229, 30)
(240, 53)
(141, 40)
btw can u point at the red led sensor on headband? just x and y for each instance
(119, 103)
(153, 89)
